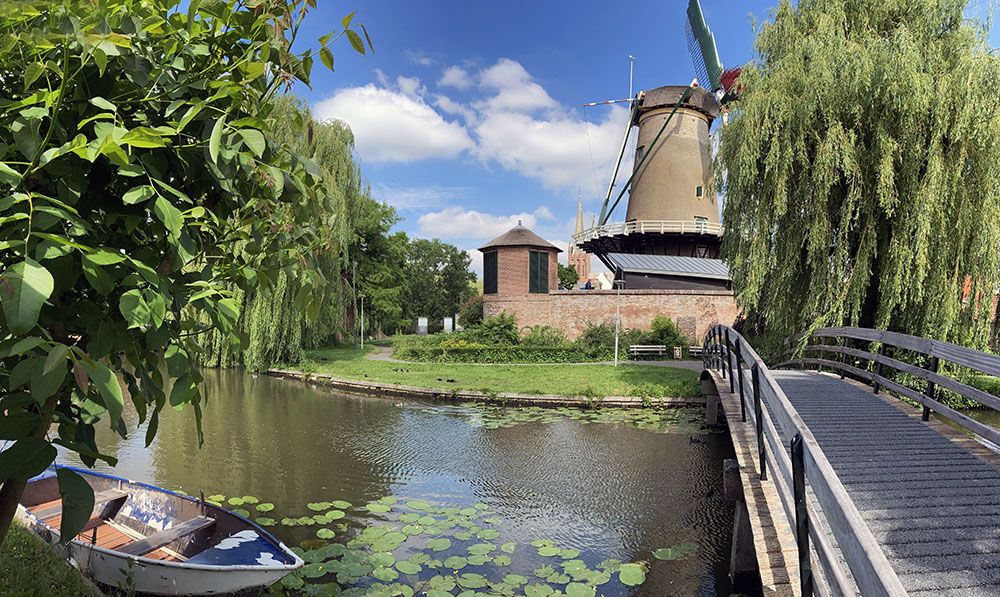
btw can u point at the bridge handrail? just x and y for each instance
(725, 349)
(649, 226)
(937, 350)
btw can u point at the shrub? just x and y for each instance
(664, 331)
(597, 339)
(497, 330)
(543, 335)
(471, 312)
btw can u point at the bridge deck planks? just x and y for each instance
(930, 495)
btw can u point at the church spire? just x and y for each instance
(579, 211)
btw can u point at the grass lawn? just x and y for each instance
(29, 567)
(576, 380)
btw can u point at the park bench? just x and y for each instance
(694, 351)
(637, 350)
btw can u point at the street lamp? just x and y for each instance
(618, 316)
(361, 298)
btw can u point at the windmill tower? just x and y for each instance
(671, 234)
(578, 258)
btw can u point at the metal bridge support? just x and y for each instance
(729, 363)
(931, 389)
(758, 422)
(878, 368)
(739, 371)
(801, 515)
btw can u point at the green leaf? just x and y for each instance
(138, 194)
(17, 424)
(107, 385)
(575, 589)
(676, 552)
(105, 257)
(346, 21)
(326, 56)
(31, 74)
(134, 308)
(254, 139)
(216, 139)
(367, 38)
(169, 215)
(9, 176)
(45, 384)
(58, 354)
(103, 104)
(29, 456)
(24, 288)
(632, 575)
(77, 503)
(356, 43)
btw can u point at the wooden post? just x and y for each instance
(739, 371)
(931, 390)
(801, 515)
(758, 413)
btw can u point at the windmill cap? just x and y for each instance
(519, 236)
(669, 96)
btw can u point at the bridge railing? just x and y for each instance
(890, 345)
(856, 563)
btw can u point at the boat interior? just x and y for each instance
(139, 521)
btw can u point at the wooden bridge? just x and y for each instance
(849, 489)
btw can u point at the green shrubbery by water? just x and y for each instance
(499, 340)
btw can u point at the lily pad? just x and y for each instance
(569, 554)
(218, 498)
(438, 544)
(508, 547)
(479, 560)
(471, 580)
(515, 580)
(538, 590)
(265, 521)
(548, 551)
(542, 543)
(575, 589)
(382, 559)
(420, 505)
(249, 499)
(341, 504)
(481, 548)
(438, 593)
(316, 570)
(325, 534)
(544, 571)
(408, 567)
(502, 560)
(377, 508)
(632, 575)
(319, 506)
(676, 552)
(265, 507)
(441, 583)
(235, 501)
(385, 574)
(241, 512)
(409, 517)
(488, 534)
(456, 563)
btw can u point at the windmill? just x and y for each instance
(704, 54)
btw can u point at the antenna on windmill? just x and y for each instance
(631, 63)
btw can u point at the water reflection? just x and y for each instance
(610, 490)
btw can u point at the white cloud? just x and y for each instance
(544, 213)
(455, 76)
(513, 88)
(391, 126)
(477, 262)
(446, 104)
(458, 222)
(420, 197)
(411, 87)
(418, 58)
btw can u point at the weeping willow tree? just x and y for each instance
(274, 324)
(861, 170)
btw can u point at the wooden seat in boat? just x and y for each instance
(158, 540)
(50, 509)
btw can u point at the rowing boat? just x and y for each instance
(155, 541)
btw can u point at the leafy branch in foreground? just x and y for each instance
(134, 154)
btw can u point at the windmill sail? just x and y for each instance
(701, 44)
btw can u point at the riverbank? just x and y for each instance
(28, 566)
(349, 369)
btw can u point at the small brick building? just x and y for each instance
(520, 277)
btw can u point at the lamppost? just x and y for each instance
(618, 316)
(361, 298)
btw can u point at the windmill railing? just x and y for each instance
(649, 227)
(808, 488)
(881, 358)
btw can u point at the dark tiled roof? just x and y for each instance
(519, 236)
(671, 265)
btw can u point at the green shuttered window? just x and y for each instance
(490, 272)
(538, 272)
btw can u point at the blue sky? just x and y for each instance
(467, 117)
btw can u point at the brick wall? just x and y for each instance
(512, 271)
(570, 311)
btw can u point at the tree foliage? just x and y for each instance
(568, 277)
(437, 280)
(862, 169)
(134, 162)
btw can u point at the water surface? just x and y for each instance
(610, 490)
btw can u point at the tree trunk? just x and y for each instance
(10, 492)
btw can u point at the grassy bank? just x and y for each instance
(575, 380)
(29, 567)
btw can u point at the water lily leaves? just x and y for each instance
(249, 499)
(241, 512)
(289, 522)
(502, 560)
(508, 547)
(456, 562)
(419, 505)
(481, 548)
(442, 583)
(463, 535)
(265, 522)
(216, 498)
(319, 506)
(542, 543)
(265, 507)
(305, 521)
(544, 571)
(385, 574)
(632, 575)
(235, 501)
(409, 517)
(515, 580)
(478, 560)
(377, 508)
(548, 552)
(438, 544)
(569, 554)
(438, 593)
(407, 567)
(325, 534)
(611, 565)
(575, 589)
(488, 534)
(315, 570)
(538, 590)
(676, 552)
(341, 504)
(292, 582)
(470, 580)
(383, 559)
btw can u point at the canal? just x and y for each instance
(612, 485)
